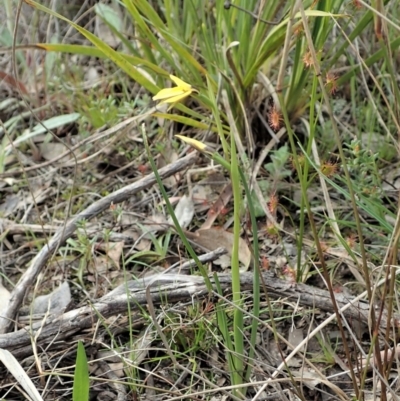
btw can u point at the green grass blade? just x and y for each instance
(394, 45)
(238, 323)
(256, 277)
(80, 390)
(175, 43)
(113, 55)
(224, 326)
(171, 212)
(96, 52)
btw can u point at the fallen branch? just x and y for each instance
(170, 288)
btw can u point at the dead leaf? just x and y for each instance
(10, 204)
(117, 369)
(218, 206)
(296, 337)
(92, 77)
(4, 294)
(113, 251)
(370, 362)
(50, 150)
(184, 211)
(214, 238)
(140, 243)
(169, 155)
(311, 378)
(207, 191)
(12, 82)
(55, 302)
(141, 346)
(154, 224)
(101, 265)
(40, 191)
(14, 367)
(4, 298)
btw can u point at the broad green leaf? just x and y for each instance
(51, 123)
(80, 390)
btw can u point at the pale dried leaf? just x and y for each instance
(113, 251)
(127, 219)
(296, 337)
(295, 362)
(55, 302)
(10, 205)
(40, 191)
(117, 369)
(214, 238)
(140, 243)
(311, 378)
(92, 76)
(101, 265)
(370, 362)
(50, 150)
(157, 222)
(19, 374)
(202, 195)
(9, 181)
(184, 211)
(141, 346)
(4, 294)
(4, 298)
(391, 179)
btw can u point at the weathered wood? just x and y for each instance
(171, 288)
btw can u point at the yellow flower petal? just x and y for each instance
(193, 142)
(181, 84)
(167, 93)
(175, 94)
(176, 98)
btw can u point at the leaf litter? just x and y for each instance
(203, 216)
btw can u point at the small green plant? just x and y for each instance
(103, 111)
(83, 246)
(362, 164)
(278, 166)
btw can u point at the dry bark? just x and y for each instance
(171, 288)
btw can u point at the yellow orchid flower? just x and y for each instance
(193, 142)
(175, 94)
(201, 147)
